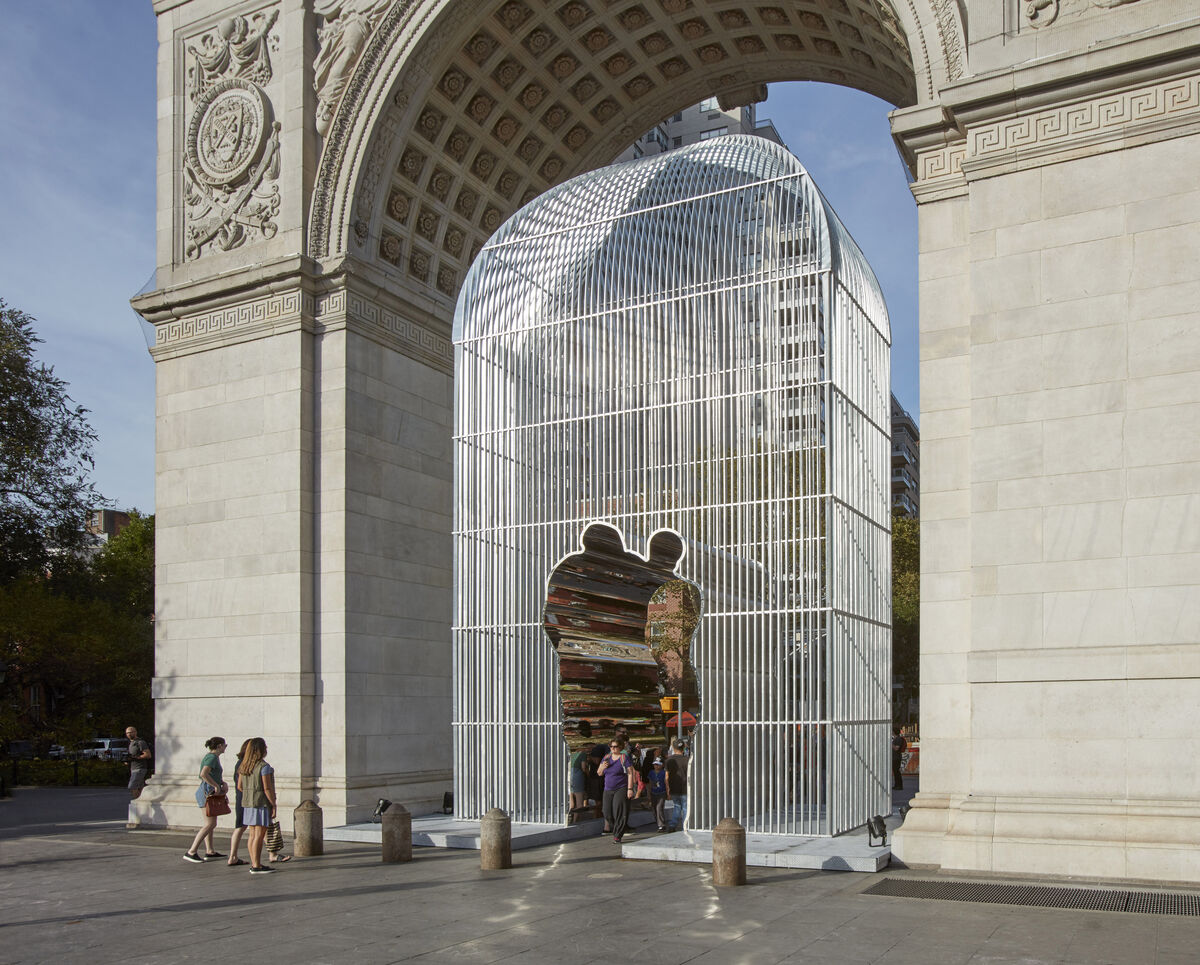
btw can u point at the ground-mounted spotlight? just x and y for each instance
(876, 829)
(448, 802)
(904, 809)
(377, 814)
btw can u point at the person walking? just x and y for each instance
(256, 781)
(677, 773)
(620, 780)
(210, 784)
(139, 763)
(656, 780)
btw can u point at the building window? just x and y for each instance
(709, 104)
(678, 116)
(715, 132)
(677, 142)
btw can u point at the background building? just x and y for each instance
(906, 462)
(699, 123)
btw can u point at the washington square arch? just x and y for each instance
(329, 169)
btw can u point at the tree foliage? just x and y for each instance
(906, 601)
(82, 638)
(45, 457)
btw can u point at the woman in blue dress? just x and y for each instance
(256, 781)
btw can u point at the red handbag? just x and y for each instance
(216, 804)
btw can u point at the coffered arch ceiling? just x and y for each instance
(459, 113)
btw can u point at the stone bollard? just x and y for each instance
(495, 841)
(308, 830)
(729, 853)
(397, 834)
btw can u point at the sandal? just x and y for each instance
(235, 862)
(281, 859)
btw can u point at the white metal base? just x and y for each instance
(846, 852)
(440, 831)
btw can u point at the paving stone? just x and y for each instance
(76, 890)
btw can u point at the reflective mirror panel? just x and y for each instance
(620, 635)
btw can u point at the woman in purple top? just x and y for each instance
(620, 780)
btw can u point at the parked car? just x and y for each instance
(105, 748)
(56, 752)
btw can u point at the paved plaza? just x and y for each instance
(78, 887)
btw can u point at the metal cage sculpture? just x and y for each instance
(690, 342)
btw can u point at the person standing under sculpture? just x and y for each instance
(899, 746)
(578, 771)
(619, 783)
(677, 771)
(656, 779)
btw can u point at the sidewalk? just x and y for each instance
(75, 886)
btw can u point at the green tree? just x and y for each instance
(906, 602)
(83, 639)
(45, 457)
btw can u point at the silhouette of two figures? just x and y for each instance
(622, 627)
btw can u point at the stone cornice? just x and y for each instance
(290, 295)
(1138, 90)
(354, 299)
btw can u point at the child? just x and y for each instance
(659, 794)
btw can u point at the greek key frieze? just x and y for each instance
(232, 318)
(944, 163)
(1105, 115)
(420, 341)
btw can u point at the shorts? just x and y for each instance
(138, 776)
(578, 782)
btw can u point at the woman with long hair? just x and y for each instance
(256, 781)
(210, 783)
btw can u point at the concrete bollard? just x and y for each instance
(397, 834)
(729, 853)
(308, 830)
(495, 841)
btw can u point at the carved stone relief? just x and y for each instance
(237, 47)
(346, 26)
(1040, 13)
(231, 145)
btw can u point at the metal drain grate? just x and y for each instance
(1090, 899)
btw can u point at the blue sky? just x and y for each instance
(77, 160)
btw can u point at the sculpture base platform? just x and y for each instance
(846, 852)
(443, 831)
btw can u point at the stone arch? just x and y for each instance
(457, 114)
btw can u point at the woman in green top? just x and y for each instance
(210, 783)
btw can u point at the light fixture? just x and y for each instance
(382, 806)
(876, 829)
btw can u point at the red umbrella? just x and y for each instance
(688, 721)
